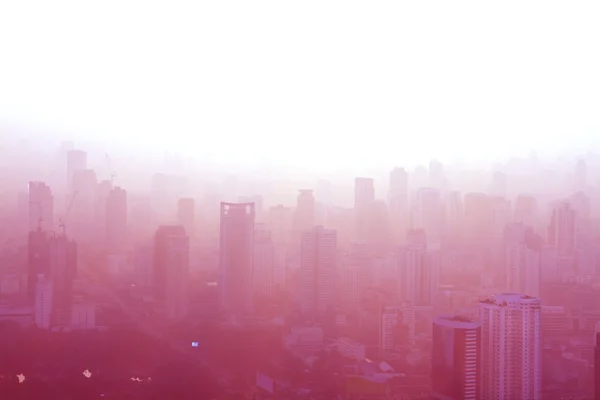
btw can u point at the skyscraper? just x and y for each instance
(562, 229)
(398, 202)
(522, 260)
(511, 347)
(237, 257)
(41, 207)
(428, 212)
(456, 359)
(264, 262)
(76, 161)
(318, 264)
(116, 221)
(171, 270)
(186, 215)
(43, 302)
(364, 197)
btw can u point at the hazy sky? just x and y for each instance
(319, 83)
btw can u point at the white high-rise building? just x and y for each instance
(318, 269)
(43, 302)
(511, 347)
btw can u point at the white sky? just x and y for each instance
(314, 83)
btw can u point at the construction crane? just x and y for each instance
(110, 170)
(63, 220)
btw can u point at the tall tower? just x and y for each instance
(428, 212)
(522, 260)
(398, 202)
(116, 221)
(511, 347)
(186, 215)
(171, 270)
(237, 257)
(264, 262)
(562, 229)
(364, 197)
(41, 207)
(456, 359)
(76, 161)
(43, 302)
(318, 265)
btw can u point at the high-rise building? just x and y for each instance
(264, 261)
(364, 197)
(398, 202)
(43, 302)
(62, 269)
(41, 207)
(522, 260)
(304, 215)
(525, 210)
(116, 221)
(237, 257)
(436, 175)
(456, 359)
(280, 223)
(38, 260)
(396, 328)
(511, 347)
(83, 212)
(562, 229)
(318, 269)
(76, 161)
(171, 270)
(418, 270)
(428, 214)
(186, 215)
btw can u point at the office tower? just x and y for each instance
(562, 229)
(453, 214)
(456, 359)
(361, 260)
(38, 261)
(62, 269)
(83, 211)
(280, 222)
(522, 260)
(364, 197)
(304, 215)
(186, 215)
(428, 214)
(264, 261)
(103, 190)
(525, 210)
(350, 283)
(41, 207)
(511, 347)
(237, 257)
(318, 263)
(398, 202)
(116, 221)
(171, 270)
(396, 328)
(436, 175)
(418, 271)
(76, 161)
(43, 302)
(324, 192)
(257, 199)
(501, 216)
(478, 216)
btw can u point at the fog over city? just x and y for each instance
(316, 200)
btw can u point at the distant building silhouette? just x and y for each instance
(116, 221)
(41, 207)
(236, 257)
(171, 270)
(318, 271)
